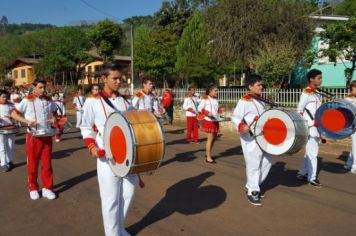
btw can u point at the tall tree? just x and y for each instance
(106, 37)
(341, 38)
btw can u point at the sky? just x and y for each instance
(71, 12)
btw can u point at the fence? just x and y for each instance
(284, 97)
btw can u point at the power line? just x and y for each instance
(99, 10)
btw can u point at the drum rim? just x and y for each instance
(287, 112)
(133, 146)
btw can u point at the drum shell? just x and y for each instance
(297, 132)
(8, 130)
(347, 109)
(143, 142)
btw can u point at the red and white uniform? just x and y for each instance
(351, 162)
(144, 101)
(258, 163)
(116, 193)
(38, 149)
(6, 141)
(210, 105)
(311, 101)
(78, 104)
(190, 106)
(15, 98)
(61, 112)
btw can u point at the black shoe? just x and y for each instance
(254, 199)
(315, 183)
(302, 177)
(260, 194)
(11, 165)
(210, 162)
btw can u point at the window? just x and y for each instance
(89, 69)
(23, 73)
(16, 74)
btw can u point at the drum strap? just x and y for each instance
(60, 109)
(80, 103)
(107, 101)
(309, 114)
(195, 105)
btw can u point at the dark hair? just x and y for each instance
(313, 73)
(54, 94)
(209, 88)
(109, 66)
(3, 91)
(34, 83)
(252, 80)
(145, 80)
(352, 84)
(79, 89)
(191, 87)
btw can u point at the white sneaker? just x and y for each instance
(353, 171)
(347, 167)
(34, 195)
(48, 194)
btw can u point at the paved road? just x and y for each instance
(185, 196)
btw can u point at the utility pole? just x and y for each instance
(132, 59)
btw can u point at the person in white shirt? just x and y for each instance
(15, 96)
(309, 102)
(6, 140)
(116, 193)
(258, 163)
(61, 114)
(209, 109)
(38, 112)
(78, 103)
(143, 99)
(190, 106)
(351, 162)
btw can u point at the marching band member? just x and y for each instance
(190, 106)
(15, 96)
(6, 140)
(116, 193)
(36, 111)
(95, 90)
(61, 113)
(209, 107)
(143, 100)
(309, 102)
(258, 163)
(351, 163)
(78, 103)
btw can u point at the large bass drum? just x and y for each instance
(280, 132)
(336, 119)
(133, 142)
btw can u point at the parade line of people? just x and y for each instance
(41, 113)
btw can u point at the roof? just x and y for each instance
(94, 54)
(23, 61)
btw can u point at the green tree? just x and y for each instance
(193, 59)
(347, 7)
(106, 37)
(341, 38)
(155, 52)
(239, 27)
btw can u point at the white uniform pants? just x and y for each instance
(116, 195)
(351, 160)
(6, 148)
(258, 164)
(310, 162)
(79, 119)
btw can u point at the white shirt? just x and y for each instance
(245, 112)
(191, 102)
(61, 110)
(143, 101)
(96, 112)
(211, 105)
(351, 99)
(78, 102)
(15, 98)
(35, 109)
(309, 100)
(5, 111)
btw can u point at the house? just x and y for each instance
(91, 69)
(333, 72)
(23, 70)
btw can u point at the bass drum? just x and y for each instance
(133, 142)
(336, 119)
(281, 132)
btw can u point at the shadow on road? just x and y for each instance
(186, 197)
(65, 185)
(65, 153)
(183, 157)
(230, 152)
